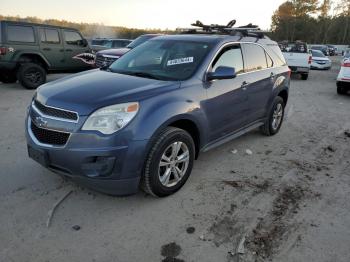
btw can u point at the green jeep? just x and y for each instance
(29, 51)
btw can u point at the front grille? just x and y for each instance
(55, 112)
(50, 137)
(102, 61)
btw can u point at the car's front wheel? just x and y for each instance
(169, 162)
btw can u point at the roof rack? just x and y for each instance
(229, 29)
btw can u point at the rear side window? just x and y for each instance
(50, 36)
(16, 33)
(254, 57)
(72, 38)
(230, 57)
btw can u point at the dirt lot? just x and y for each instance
(288, 201)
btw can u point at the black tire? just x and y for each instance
(268, 129)
(341, 90)
(304, 76)
(31, 75)
(150, 181)
(8, 78)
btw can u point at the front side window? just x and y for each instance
(16, 33)
(254, 57)
(230, 57)
(72, 38)
(163, 59)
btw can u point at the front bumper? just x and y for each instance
(325, 66)
(109, 164)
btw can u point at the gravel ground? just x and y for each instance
(288, 201)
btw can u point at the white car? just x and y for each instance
(320, 61)
(343, 79)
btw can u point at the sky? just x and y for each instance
(147, 13)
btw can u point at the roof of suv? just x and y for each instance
(216, 38)
(36, 24)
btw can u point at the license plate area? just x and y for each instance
(39, 156)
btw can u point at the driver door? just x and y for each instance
(227, 99)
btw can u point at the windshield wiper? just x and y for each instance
(140, 74)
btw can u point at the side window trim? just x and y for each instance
(64, 36)
(20, 25)
(43, 30)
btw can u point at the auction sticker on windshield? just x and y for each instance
(178, 61)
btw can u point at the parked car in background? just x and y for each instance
(107, 57)
(29, 51)
(110, 43)
(298, 57)
(343, 79)
(323, 48)
(320, 61)
(332, 50)
(144, 120)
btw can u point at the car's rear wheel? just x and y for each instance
(341, 90)
(31, 75)
(275, 118)
(8, 78)
(169, 162)
(304, 76)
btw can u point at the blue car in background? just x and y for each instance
(144, 120)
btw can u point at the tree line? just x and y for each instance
(312, 21)
(91, 30)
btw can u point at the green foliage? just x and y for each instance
(91, 30)
(311, 21)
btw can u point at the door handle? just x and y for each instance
(47, 49)
(272, 75)
(244, 85)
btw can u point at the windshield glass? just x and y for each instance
(163, 59)
(317, 54)
(138, 41)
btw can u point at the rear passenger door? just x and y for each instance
(73, 45)
(51, 45)
(259, 79)
(226, 103)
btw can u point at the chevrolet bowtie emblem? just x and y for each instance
(40, 121)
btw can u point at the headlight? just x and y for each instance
(110, 119)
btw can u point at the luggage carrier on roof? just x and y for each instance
(249, 30)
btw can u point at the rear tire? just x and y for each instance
(304, 76)
(31, 75)
(275, 118)
(8, 78)
(169, 162)
(341, 90)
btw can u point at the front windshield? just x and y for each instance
(317, 53)
(138, 41)
(163, 59)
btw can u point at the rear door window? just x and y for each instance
(49, 35)
(254, 57)
(72, 37)
(17, 33)
(230, 57)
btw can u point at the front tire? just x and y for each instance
(275, 118)
(169, 162)
(31, 75)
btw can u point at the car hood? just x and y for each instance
(115, 52)
(321, 59)
(87, 91)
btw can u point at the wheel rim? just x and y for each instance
(33, 76)
(277, 116)
(173, 164)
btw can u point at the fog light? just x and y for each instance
(99, 166)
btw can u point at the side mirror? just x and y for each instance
(83, 43)
(222, 72)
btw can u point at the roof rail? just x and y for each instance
(229, 29)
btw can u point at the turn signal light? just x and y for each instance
(310, 59)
